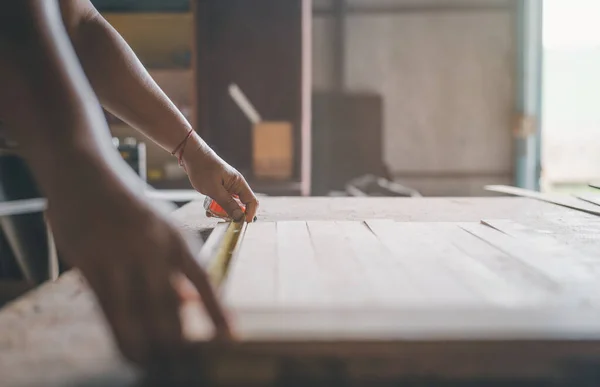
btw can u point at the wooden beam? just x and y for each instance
(200, 65)
(20, 207)
(306, 90)
(339, 45)
(561, 200)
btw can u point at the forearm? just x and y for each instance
(123, 85)
(53, 114)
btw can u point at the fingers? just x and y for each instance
(247, 197)
(158, 308)
(185, 289)
(200, 280)
(114, 295)
(143, 310)
(228, 203)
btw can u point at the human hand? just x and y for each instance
(133, 266)
(212, 176)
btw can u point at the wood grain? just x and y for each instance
(416, 257)
(542, 240)
(404, 306)
(299, 277)
(191, 216)
(344, 274)
(561, 200)
(594, 199)
(553, 267)
(468, 270)
(252, 278)
(386, 280)
(535, 288)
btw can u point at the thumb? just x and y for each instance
(225, 200)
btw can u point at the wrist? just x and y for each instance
(195, 150)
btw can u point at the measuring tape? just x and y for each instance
(213, 208)
(218, 250)
(222, 242)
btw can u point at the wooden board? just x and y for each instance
(561, 200)
(458, 209)
(388, 317)
(477, 287)
(252, 275)
(382, 263)
(594, 199)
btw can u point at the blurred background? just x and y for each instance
(571, 91)
(382, 97)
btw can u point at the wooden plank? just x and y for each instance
(541, 240)
(436, 241)
(345, 276)
(56, 336)
(306, 89)
(561, 200)
(339, 345)
(546, 245)
(300, 279)
(417, 257)
(44, 335)
(252, 275)
(413, 323)
(427, 209)
(389, 284)
(555, 268)
(534, 286)
(61, 322)
(594, 199)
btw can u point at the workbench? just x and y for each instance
(56, 336)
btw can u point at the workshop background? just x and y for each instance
(426, 99)
(439, 96)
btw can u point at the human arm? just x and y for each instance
(127, 90)
(126, 250)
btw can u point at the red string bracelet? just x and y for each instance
(181, 147)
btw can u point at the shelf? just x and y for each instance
(22, 207)
(276, 187)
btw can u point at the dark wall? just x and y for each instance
(346, 139)
(257, 45)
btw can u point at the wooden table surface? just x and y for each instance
(55, 336)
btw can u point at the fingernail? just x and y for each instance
(238, 215)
